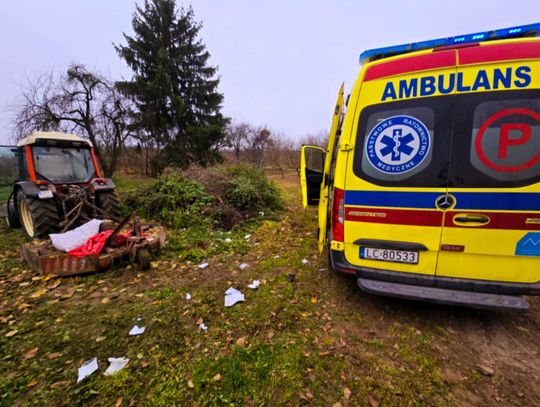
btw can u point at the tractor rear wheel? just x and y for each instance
(11, 215)
(38, 217)
(108, 202)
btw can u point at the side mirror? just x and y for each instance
(311, 174)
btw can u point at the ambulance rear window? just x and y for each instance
(496, 140)
(405, 143)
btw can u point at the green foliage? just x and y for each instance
(250, 189)
(174, 88)
(238, 193)
(176, 200)
(4, 193)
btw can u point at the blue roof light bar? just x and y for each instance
(530, 30)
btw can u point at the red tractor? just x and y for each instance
(55, 184)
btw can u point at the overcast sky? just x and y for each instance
(280, 62)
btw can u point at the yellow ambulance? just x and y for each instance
(429, 187)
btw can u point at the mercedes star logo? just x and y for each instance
(445, 202)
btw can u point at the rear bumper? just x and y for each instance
(447, 290)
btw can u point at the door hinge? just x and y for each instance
(346, 147)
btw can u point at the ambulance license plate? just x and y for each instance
(396, 256)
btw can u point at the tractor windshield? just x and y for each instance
(63, 165)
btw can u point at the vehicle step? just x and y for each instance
(444, 296)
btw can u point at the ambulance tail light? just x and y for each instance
(338, 214)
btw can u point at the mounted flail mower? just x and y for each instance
(57, 186)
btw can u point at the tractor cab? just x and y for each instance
(51, 181)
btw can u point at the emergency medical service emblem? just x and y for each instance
(398, 144)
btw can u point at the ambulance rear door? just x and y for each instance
(398, 176)
(492, 226)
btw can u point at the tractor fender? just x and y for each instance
(28, 187)
(102, 184)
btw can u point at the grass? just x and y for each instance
(291, 343)
(4, 193)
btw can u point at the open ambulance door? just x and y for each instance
(311, 174)
(315, 165)
(327, 184)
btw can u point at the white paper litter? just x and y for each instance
(243, 266)
(232, 296)
(188, 296)
(116, 364)
(203, 265)
(247, 236)
(254, 285)
(87, 368)
(228, 240)
(136, 330)
(203, 327)
(305, 261)
(75, 238)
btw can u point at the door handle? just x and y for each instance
(471, 219)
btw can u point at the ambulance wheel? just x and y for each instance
(108, 202)
(11, 215)
(38, 217)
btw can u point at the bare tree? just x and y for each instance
(80, 102)
(238, 136)
(256, 145)
(315, 139)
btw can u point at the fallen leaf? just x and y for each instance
(190, 384)
(347, 393)
(105, 300)
(12, 333)
(309, 394)
(54, 285)
(54, 355)
(199, 321)
(314, 300)
(118, 402)
(217, 377)
(60, 384)
(39, 293)
(325, 353)
(241, 341)
(338, 404)
(485, 370)
(304, 314)
(29, 354)
(32, 383)
(373, 402)
(67, 295)
(140, 295)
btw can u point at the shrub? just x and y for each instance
(249, 189)
(218, 197)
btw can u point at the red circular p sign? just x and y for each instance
(506, 142)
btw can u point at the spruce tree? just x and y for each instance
(173, 86)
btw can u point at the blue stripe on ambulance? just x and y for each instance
(502, 201)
